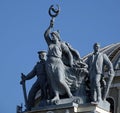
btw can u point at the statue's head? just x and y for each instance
(96, 47)
(42, 55)
(55, 36)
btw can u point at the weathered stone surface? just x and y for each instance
(73, 108)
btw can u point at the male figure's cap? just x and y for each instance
(40, 52)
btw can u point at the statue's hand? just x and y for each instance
(23, 77)
(51, 23)
(21, 82)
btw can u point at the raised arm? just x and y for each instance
(47, 33)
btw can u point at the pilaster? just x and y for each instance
(118, 102)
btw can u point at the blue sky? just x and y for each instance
(22, 25)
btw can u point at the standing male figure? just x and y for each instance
(96, 63)
(39, 71)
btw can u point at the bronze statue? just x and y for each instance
(54, 64)
(96, 63)
(63, 74)
(41, 82)
(62, 62)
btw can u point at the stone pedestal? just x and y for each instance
(73, 108)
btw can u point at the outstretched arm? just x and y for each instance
(31, 74)
(47, 33)
(28, 76)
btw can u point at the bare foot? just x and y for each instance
(94, 102)
(55, 99)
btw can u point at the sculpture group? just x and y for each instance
(62, 74)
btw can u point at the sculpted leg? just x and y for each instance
(56, 98)
(31, 95)
(64, 84)
(67, 89)
(98, 89)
